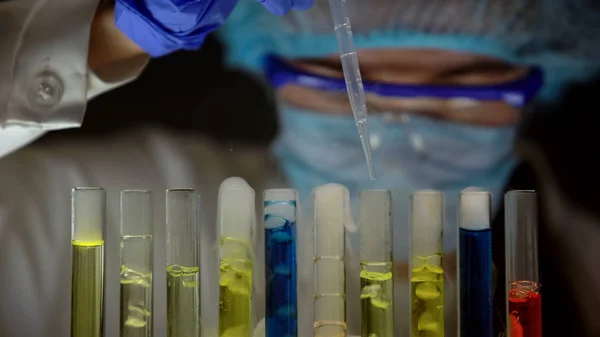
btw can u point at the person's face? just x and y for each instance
(413, 67)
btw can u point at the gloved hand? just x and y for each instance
(281, 7)
(164, 26)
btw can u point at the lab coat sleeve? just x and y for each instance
(45, 81)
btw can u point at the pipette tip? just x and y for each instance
(363, 133)
(371, 170)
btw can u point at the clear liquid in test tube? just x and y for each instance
(136, 264)
(183, 263)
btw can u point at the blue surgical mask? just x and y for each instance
(410, 153)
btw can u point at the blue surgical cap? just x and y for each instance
(558, 35)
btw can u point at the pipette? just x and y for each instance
(354, 85)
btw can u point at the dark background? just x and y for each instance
(186, 91)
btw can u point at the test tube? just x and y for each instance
(331, 204)
(376, 261)
(475, 265)
(426, 270)
(183, 263)
(136, 264)
(524, 307)
(280, 260)
(87, 293)
(236, 220)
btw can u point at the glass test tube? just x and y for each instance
(524, 307)
(183, 263)
(136, 264)
(281, 264)
(475, 265)
(236, 220)
(427, 274)
(376, 261)
(87, 292)
(331, 204)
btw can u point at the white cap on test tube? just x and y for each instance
(88, 211)
(331, 204)
(236, 215)
(281, 204)
(475, 210)
(426, 223)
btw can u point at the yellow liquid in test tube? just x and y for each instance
(183, 301)
(87, 289)
(427, 296)
(376, 296)
(235, 283)
(235, 224)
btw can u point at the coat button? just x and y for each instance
(45, 91)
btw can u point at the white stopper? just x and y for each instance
(475, 210)
(88, 213)
(330, 211)
(236, 209)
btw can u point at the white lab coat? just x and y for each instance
(45, 81)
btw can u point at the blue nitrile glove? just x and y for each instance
(281, 7)
(164, 26)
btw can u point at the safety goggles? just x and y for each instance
(455, 100)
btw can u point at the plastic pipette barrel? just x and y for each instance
(354, 85)
(524, 307)
(475, 265)
(331, 204)
(426, 270)
(236, 219)
(183, 263)
(136, 264)
(87, 288)
(376, 261)
(280, 262)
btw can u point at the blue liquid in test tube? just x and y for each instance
(280, 259)
(475, 264)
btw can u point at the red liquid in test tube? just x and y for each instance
(525, 308)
